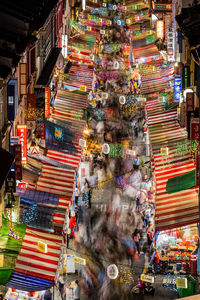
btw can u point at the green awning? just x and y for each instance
(180, 183)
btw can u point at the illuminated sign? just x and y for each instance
(47, 102)
(181, 282)
(83, 88)
(160, 29)
(22, 134)
(64, 45)
(177, 87)
(162, 7)
(42, 247)
(80, 261)
(112, 271)
(147, 278)
(164, 151)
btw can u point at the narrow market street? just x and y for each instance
(99, 150)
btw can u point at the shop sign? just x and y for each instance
(18, 161)
(159, 7)
(186, 76)
(190, 101)
(42, 247)
(22, 134)
(64, 45)
(177, 87)
(160, 29)
(31, 107)
(22, 186)
(105, 148)
(130, 152)
(147, 278)
(35, 150)
(14, 140)
(47, 102)
(164, 151)
(194, 129)
(112, 271)
(11, 182)
(41, 129)
(83, 88)
(80, 261)
(170, 44)
(58, 133)
(30, 125)
(183, 114)
(181, 283)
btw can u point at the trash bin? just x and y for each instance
(191, 288)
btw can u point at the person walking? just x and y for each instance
(136, 162)
(77, 193)
(136, 238)
(76, 291)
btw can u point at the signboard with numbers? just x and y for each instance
(22, 134)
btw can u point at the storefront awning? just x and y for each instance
(65, 158)
(33, 263)
(47, 70)
(80, 75)
(174, 173)
(56, 180)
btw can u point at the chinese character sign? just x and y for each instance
(18, 161)
(47, 102)
(194, 129)
(177, 87)
(22, 134)
(190, 101)
(31, 107)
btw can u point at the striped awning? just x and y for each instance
(65, 158)
(27, 283)
(173, 209)
(32, 262)
(56, 180)
(80, 75)
(69, 107)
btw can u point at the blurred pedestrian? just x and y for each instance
(76, 291)
(136, 162)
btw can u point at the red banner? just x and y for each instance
(190, 101)
(18, 161)
(47, 102)
(31, 107)
(194, 129)
(22, 134)
(41, 128)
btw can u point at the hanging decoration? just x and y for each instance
(105, 148)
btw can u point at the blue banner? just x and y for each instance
(177, 87)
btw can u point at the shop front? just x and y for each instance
(13, 294)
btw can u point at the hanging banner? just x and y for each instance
(31, 107)
(160, 29)
(47, 102)
(18, 161)
(22, 134)
(177, 87)
(41, 128)
(194, 129)
(190, 101)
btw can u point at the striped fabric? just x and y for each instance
(31, 262)
(80, 75)
(56, 180)
(180, 208)
(27, 283)
(65, 158)
(69, 107)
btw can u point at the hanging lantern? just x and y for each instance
(119, 22)
(112, 271)
(122, 100)
(116, 65)
(82, 143)
(105, 148)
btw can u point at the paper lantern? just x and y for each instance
(105, 148)
(122, 100)
(112, 271)
(116, 65)
(119, 22)
(82, 143)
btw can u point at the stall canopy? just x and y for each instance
(174, 172)
(80, 75)
(36, 270)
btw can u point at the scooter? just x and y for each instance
(143, 289)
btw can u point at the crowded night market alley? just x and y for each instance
(99, 150)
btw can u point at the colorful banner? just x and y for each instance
(18, 161)
(41, 128)
(47, 102)
(190, 101)
(31, 107)
(177, 87)
(22, 134)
